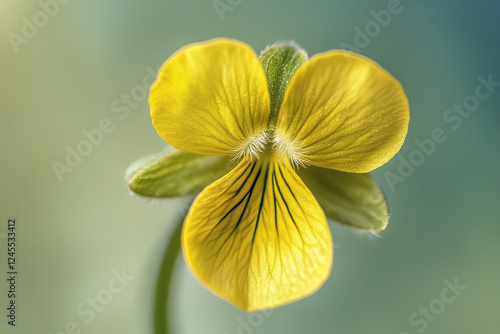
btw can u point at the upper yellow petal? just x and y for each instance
(210, 98)
(257, 237)
(342, 111)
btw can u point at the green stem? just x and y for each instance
(160, 314)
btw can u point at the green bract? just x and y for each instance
(354, 200)
(280, 62)
(177, 173)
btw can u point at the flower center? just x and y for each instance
(289, 149)
(253, 146)
(270, 142)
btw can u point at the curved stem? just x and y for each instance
(160, 314)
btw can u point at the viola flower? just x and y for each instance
(258, 236)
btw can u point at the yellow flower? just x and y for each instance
(257, 236)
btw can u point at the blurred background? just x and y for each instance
(70, 67)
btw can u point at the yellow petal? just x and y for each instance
(210, 98)
(257, 237)
(342, 111)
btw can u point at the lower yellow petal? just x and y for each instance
(257, 237)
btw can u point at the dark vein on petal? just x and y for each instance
(261, 205)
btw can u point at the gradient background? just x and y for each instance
(72, 234)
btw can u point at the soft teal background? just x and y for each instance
(444, 218)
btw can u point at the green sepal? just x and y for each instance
(177, 173)
(354, 200)
(280, 61)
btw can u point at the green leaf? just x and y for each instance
(176, 173)
(280, 61)
(351, 199)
